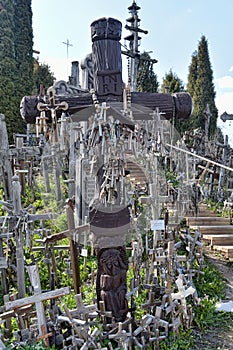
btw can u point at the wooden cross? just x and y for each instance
(122, 336)
(53, 107)
(159, 328)
(38, 299)
(91, 341)
(182, 294)
(83, 311)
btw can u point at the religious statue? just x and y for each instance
(111, 281)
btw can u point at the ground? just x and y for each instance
(218, 337)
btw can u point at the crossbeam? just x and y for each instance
(200, 157)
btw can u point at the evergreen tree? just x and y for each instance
(8, 101)
(16, 60)
(42, 76)
(203, 92)
(172, 83)
(23, 46)
(192, 76)
(146, 78)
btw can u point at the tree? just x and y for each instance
(171, 83)
(146, 78)
(23, 46)
(192, 76)
(42, 76)
(201, 88)
(8, 102)
(16, 60)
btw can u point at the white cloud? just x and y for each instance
(225, 82)
(224, 102)
(231, 69)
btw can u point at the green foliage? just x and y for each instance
(183, 341)
(39, 345)
(146, 78)
(42, 76)
(16, 60)
(205, 314)
(193, 74)
(201, 87)
(210, 287)
(171, 177)
(172, 83)
(210, 283)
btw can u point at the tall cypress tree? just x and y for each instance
(192, 75)
(7, 65)
(23, 46)
(16, 60)
(42, 75)
(172, 83)
(146, 78)
(204, 89)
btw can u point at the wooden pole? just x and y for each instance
(18, 236)
(35, 281)
(200, 157)
(74, 254)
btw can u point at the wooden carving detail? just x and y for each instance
(111, 283)
(106, 53)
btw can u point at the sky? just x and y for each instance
(175, 28)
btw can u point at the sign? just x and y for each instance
(157, 225)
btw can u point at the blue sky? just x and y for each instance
(175, 28)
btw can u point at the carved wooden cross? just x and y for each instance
(38, 299)
(53, 107)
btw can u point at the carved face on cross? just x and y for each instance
(112, 263)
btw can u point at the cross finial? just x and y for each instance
(67, 43)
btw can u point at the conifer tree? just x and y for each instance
(172, 83)
(42, 75)
(192, 75)
(146, 78)
(203, 92)
(8, 100)
(23, 46)
(16, 60)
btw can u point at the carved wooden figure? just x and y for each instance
(111, 281)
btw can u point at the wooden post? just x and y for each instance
(35, 281)
(18, 236)
(222, 170)
(21, 165)
(74, 254)
(38, 299)
(3, 266)
(106, 53)
(5, 166)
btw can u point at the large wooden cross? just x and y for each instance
(109, 87)
(38, 299)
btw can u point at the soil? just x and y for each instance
(218, 338)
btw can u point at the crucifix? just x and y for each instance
(105, 138)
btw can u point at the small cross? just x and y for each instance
(67, 43)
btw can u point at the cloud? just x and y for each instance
(224, 102)
(225, 82)
(231, 69)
